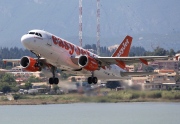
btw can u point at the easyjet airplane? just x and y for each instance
(54, 52)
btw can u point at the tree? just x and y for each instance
(16, 96)
(137, 51)
(28, 85)
(171, 52)
(8, 78)
(5, 88)
(8, 83)
(32, 79)
(159, 52)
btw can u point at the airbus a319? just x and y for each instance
(54, 52)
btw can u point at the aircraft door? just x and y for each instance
(49, 40)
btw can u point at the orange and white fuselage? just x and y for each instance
(54, 52)
(60, 53)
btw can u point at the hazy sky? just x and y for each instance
(118, 18)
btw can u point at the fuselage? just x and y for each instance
(60, 53)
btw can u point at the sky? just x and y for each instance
(149, 22)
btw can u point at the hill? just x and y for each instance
(150, 23)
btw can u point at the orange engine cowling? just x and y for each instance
(88, 63)
(28, 64)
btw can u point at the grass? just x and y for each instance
(100, 97)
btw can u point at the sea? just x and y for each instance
(92, 113)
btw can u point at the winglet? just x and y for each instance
(124, 48)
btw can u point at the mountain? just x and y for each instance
(150, 23)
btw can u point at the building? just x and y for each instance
(130, 68)
(165, 79)
(165, 64)
(77, 78)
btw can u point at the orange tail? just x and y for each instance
(124, 48)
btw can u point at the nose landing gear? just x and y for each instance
(52, 80)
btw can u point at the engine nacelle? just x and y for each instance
(88, 63)
(28, 64)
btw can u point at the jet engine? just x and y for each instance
(88, 63)
(29, 64)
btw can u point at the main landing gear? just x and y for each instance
(92, 79)
(53, 80)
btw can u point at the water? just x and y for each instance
(92, 113)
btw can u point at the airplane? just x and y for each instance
(54, 52)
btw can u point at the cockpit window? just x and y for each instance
(38, 34)
(31, 32)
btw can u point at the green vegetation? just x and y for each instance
(111, 97)
(28, 85)
(32, 79)
(7, 83)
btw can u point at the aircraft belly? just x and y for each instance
(106, 74)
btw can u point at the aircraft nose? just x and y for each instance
(23, 39)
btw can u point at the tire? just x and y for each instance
(56, 80)
(89, 80)
(51, 81)
(94, 80)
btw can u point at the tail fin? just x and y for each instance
(124, 48)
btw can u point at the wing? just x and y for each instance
(122, 61)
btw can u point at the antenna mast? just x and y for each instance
(98, 27)
(80, 22)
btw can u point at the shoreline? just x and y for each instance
(111, 97)
(51, 103)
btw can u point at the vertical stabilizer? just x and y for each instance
(124, 48)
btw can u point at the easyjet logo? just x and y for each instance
(124, 45)
(69, 47)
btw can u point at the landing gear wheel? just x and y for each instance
(53, 80)
(89, 80)
(94, 80)
(56, 80)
